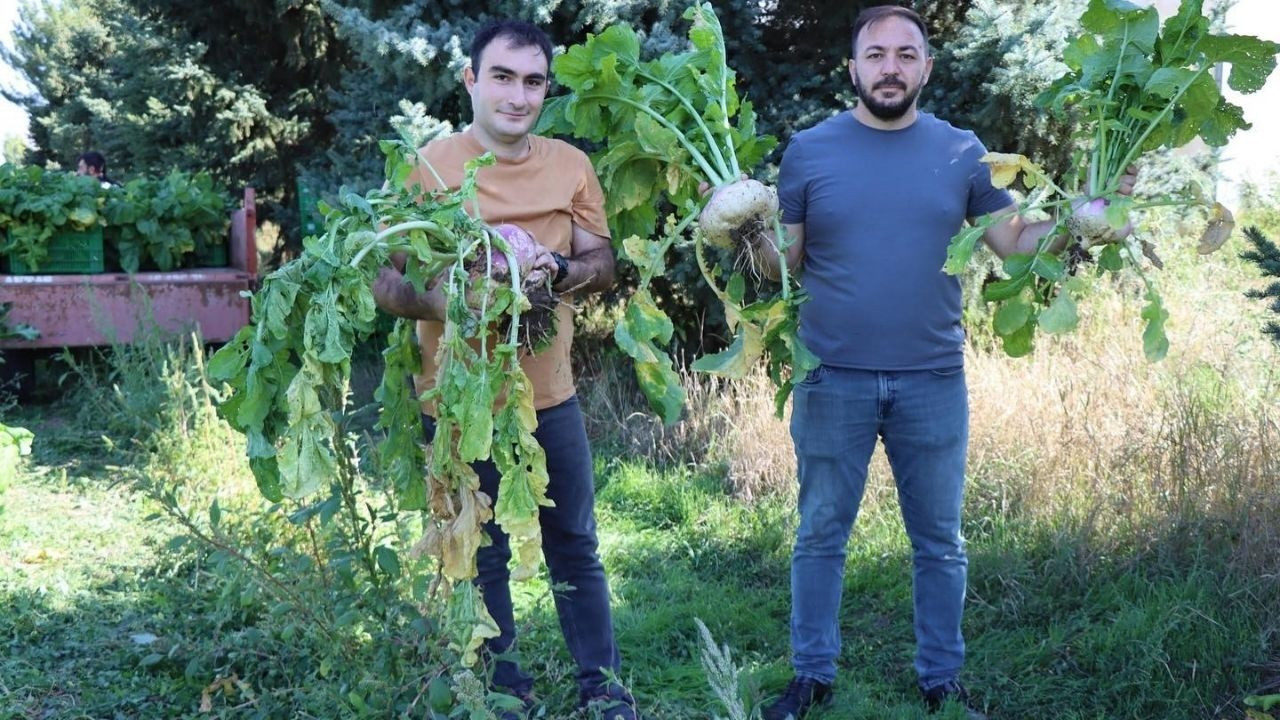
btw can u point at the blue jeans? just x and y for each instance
(923, 418)
(569, 546)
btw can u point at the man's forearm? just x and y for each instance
(397, 296)
(1032, 232)
(589, 272)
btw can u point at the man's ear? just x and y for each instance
(468, 78)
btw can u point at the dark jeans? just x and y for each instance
(569, 545)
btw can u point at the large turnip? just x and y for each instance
(739, 214)
(538, 322)
(1089, 226)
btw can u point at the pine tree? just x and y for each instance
(988, 72)
(1266, 255)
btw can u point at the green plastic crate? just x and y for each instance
(212, 256)
(71, 252)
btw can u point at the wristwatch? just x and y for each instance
(562, 267)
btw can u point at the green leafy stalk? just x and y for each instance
(1138, 88)
(289, 371)
(37, 204)
(665, 126)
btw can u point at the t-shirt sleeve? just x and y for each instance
(588, 200)
(792, 185)
(984, 198)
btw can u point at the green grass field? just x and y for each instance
(103, 617)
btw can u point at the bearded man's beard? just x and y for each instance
(886, 110)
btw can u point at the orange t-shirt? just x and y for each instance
(546, 192)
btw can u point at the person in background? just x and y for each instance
(94, 165)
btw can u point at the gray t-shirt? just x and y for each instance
(879, 208)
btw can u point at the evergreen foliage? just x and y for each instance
(254, 92)
(1266, 255)
(986, 76)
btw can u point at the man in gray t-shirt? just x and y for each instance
(878, 207)
(871, 198)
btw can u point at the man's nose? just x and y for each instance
(519, 97)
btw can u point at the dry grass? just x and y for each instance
(1084, 435)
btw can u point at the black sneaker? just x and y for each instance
(950, 691)
(802, 695)
(610, 703)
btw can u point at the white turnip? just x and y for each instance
(739, 214)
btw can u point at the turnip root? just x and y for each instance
(1089, 226)
(538, 321)
(522, 245)
(739, 214)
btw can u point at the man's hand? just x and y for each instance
(1015, 235)
(1088, 223)
(395, 295)
(544, 266)
(1128, 180)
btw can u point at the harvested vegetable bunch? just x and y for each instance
(1137, 88)
(36, 204)
(666, 125)
(290, 372)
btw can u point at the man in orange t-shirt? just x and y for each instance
(549, 188)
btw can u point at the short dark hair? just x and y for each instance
(518, 33)
(94, 159)
(873, 15)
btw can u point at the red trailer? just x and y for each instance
(107, 308)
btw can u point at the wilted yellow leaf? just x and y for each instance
(1004, 167)
(463, 535)
(468, 622)
(226, 685)
(1221, 223)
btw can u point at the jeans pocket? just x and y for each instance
(948, 372)
(814, 375)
